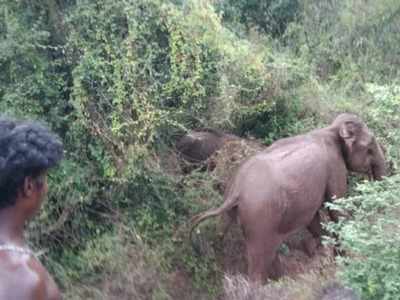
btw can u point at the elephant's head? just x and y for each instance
(362, 152)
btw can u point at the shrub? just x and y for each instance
(370, 235)
(371, 238)
(271, 17)
(383, 114)
(348, 40)
(121, 267)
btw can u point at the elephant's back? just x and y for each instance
(304, 162)
(289, 182)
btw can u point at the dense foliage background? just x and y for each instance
(120, 80)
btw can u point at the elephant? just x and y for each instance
(198, 146)
(279, 191)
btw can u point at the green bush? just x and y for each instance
(370, 236)
(268, 16)
(383, 114)
(166, 67)
(348, 40)
(118, 80)
(370, 239)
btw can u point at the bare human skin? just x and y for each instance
(22, 275)
(280, 190)
(27, 151)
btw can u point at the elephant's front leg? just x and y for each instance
(336, 191)
(315, 228)
(336, 188)
(334, 217)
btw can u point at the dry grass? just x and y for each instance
(307, 286)
(319, 282)
(122, 268)
(311, 286)
(229, 157)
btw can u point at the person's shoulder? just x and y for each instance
(21, 277)
(47, 285)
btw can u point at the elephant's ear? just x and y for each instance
(348, 132)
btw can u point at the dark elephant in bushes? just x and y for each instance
(279, 191)
(198, 146)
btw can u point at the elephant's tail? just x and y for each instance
(213, 212)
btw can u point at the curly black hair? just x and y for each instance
(27, 148)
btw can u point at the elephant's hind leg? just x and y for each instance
(276, 269)
(261, 255)
(228, 219)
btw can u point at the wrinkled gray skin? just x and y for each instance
(197, 146)
(280, 190)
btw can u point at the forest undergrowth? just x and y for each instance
(120, 81)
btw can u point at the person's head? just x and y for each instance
(27, 151)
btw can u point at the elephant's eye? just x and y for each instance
(370, 151)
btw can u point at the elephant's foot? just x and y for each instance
(276, 269)
(310, 246)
